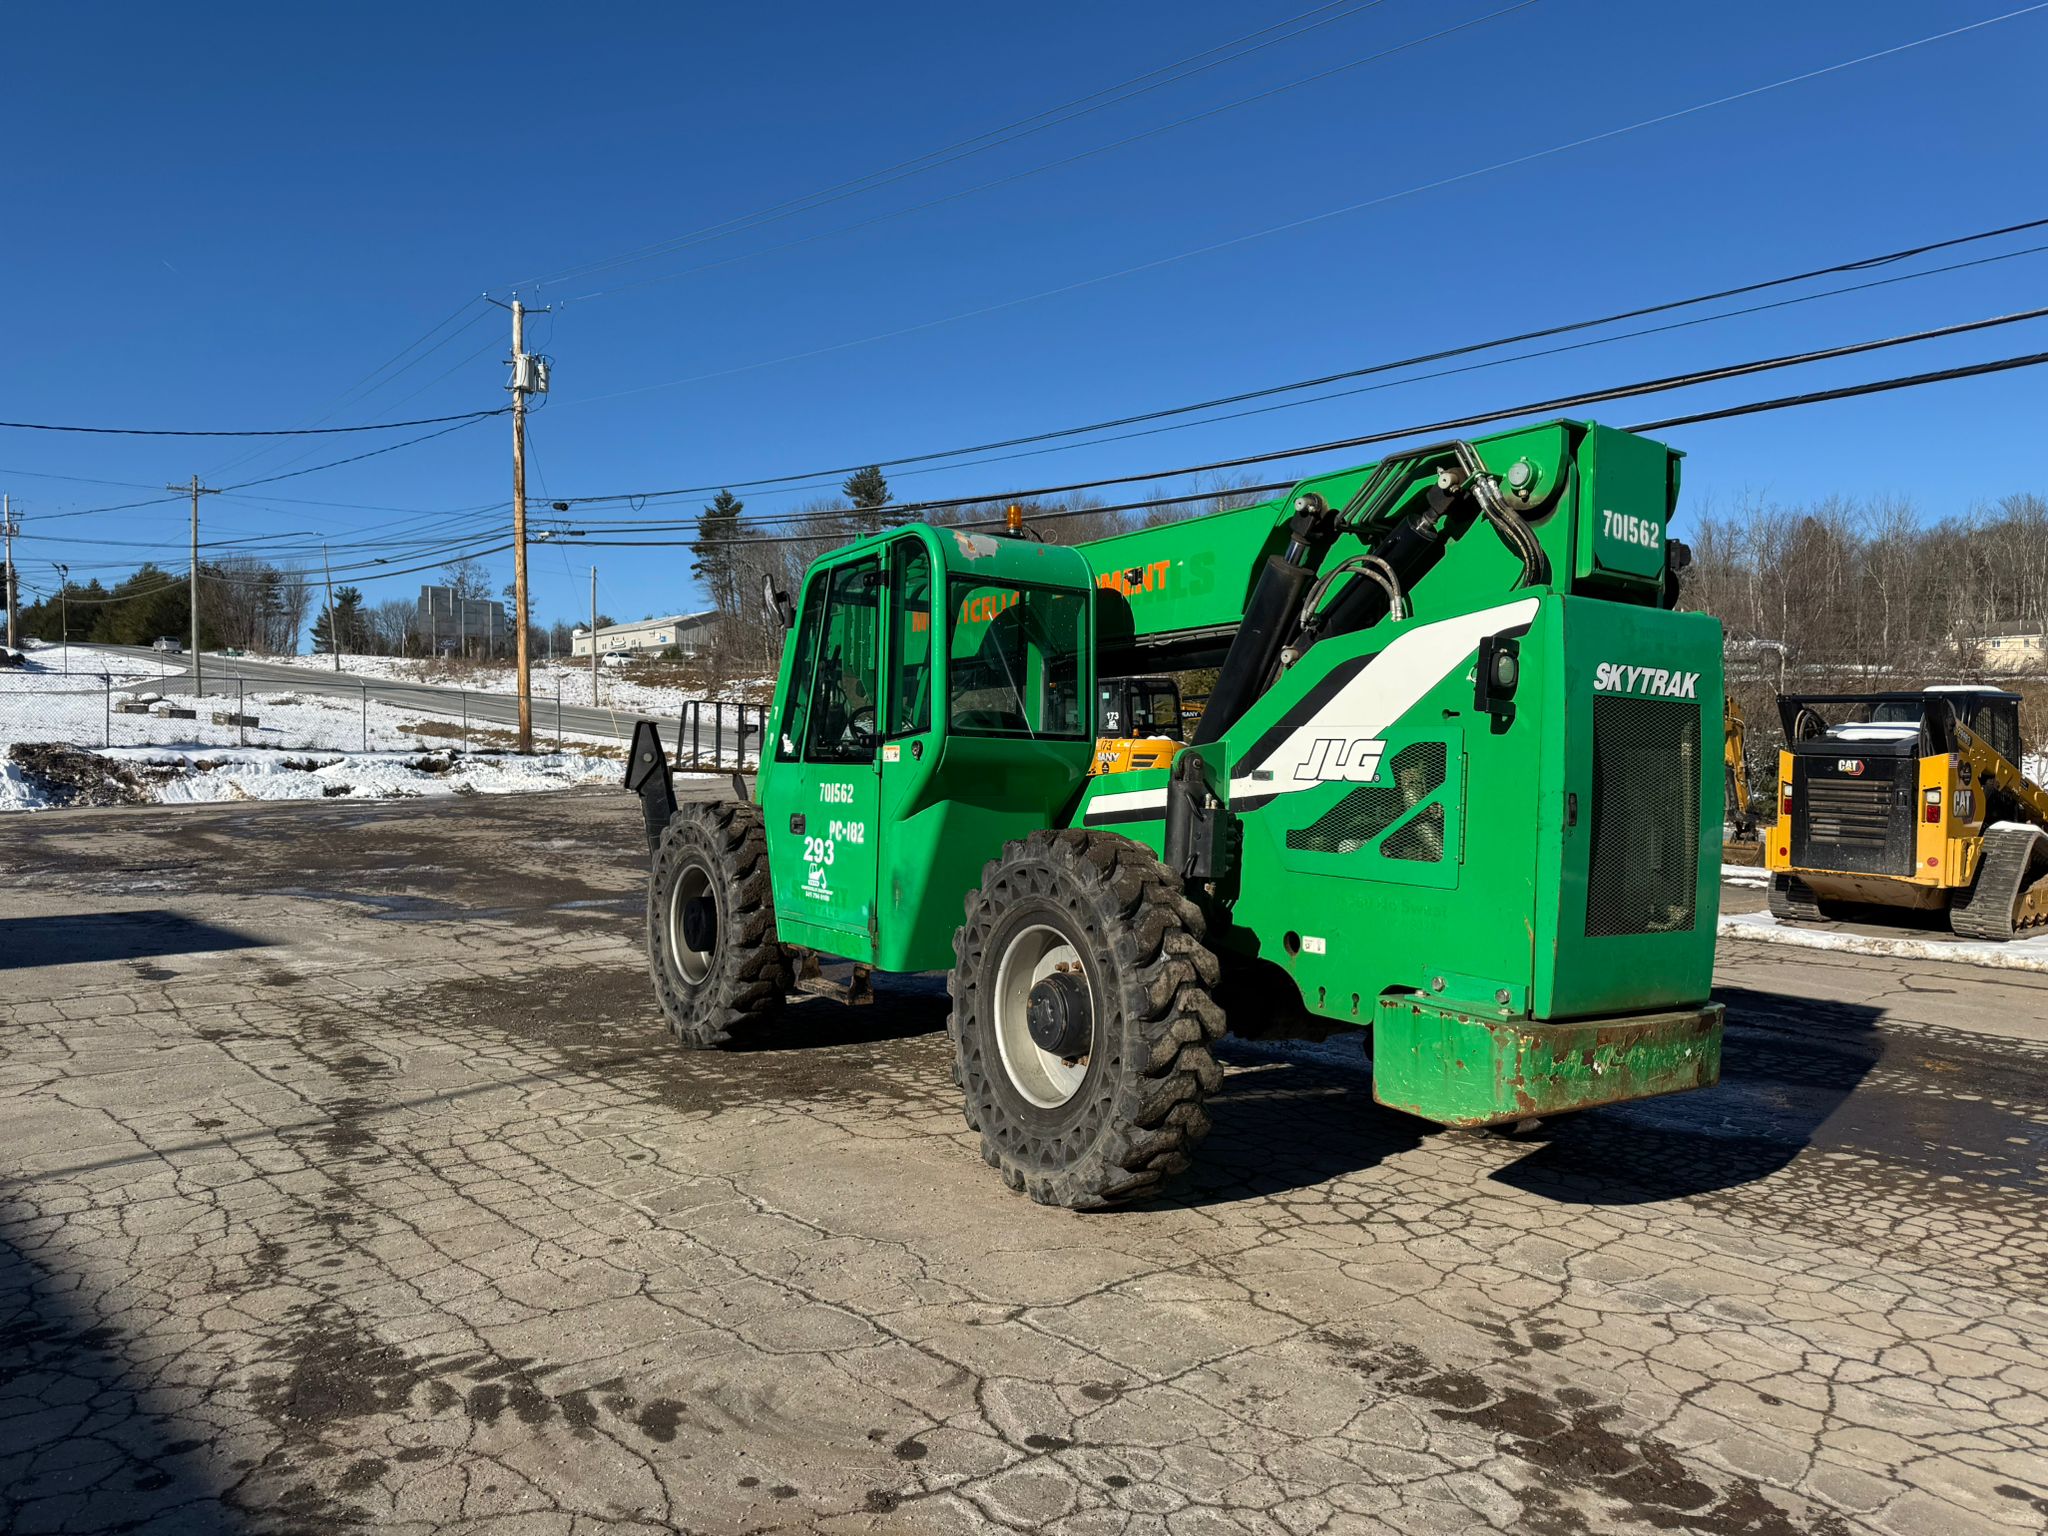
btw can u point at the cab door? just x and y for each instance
(821, 801)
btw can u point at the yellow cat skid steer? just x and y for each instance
(1909, 800)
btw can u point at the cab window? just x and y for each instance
(1014, 666)
(796, 709)
(1998, 722)
(1155, 710)
(842, 724)
(910, 638)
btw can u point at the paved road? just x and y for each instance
(347, 1178)
(499, 709)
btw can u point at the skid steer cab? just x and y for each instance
(1453, 785)
(1912, 801)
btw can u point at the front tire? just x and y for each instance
(1086, 933)
(711, 945)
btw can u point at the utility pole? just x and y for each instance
(333, 633)
(593, 637)
(63, 611)
(197, 490)
(529, 376)
(13, 586)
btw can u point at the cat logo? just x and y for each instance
(1343, 759)
(1853, 766)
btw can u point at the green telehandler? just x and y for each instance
(1454, 785)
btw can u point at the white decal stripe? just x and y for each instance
(1391, 684)
(1124, 801)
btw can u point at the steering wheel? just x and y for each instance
(860, 727)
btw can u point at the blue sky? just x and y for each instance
(228, 216)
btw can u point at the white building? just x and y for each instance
(687, 632)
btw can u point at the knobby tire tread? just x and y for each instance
(750, 974)
(1146, 1113)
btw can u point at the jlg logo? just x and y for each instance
(1342, 759)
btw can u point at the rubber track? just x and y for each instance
(1985, 911)
(1791, 901)
(1146, 1113)
(750, 974)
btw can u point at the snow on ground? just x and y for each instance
(302, 746)
(2016, 955)
(1745, 874)
(571, 681)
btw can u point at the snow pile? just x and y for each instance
(16, 792)
(1745, 874)
(52, 778)
(258, 775)
(2016, 955)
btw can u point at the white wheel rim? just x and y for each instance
(694, 964)
(1044, 1079)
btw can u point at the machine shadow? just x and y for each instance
(1296, 1120)
(1289, 1119)
(1787, 1066)
(76, 938)
(904, 1008)
(85, 1447)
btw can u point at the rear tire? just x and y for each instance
(1116, 1119)
(711, 945)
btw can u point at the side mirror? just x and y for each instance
(777, 602)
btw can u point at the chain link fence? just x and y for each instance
(103, 710)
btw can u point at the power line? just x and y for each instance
(292, 474)
(1847, 391)
(460, 423)
(1291, 225)
(1857, 264)
(369, 574)
(1783, 402)
(1554, 404)
(379, 376)
(1717, 414)
(1648, 386)
(377, 426)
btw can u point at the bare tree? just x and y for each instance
(469, 578)
(390, 625)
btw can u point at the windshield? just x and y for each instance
(1014, 665)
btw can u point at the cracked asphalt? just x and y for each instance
(347, 1180)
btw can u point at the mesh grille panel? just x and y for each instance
(1644, 873)
(1366, 812)
(1422, 839)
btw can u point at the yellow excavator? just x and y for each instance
(1140, 723)
(1909, 800)
(1741, 846)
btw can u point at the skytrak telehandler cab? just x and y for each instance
(1454, 784)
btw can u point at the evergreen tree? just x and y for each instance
(717, 564)
(869, 492)
(348, 618)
